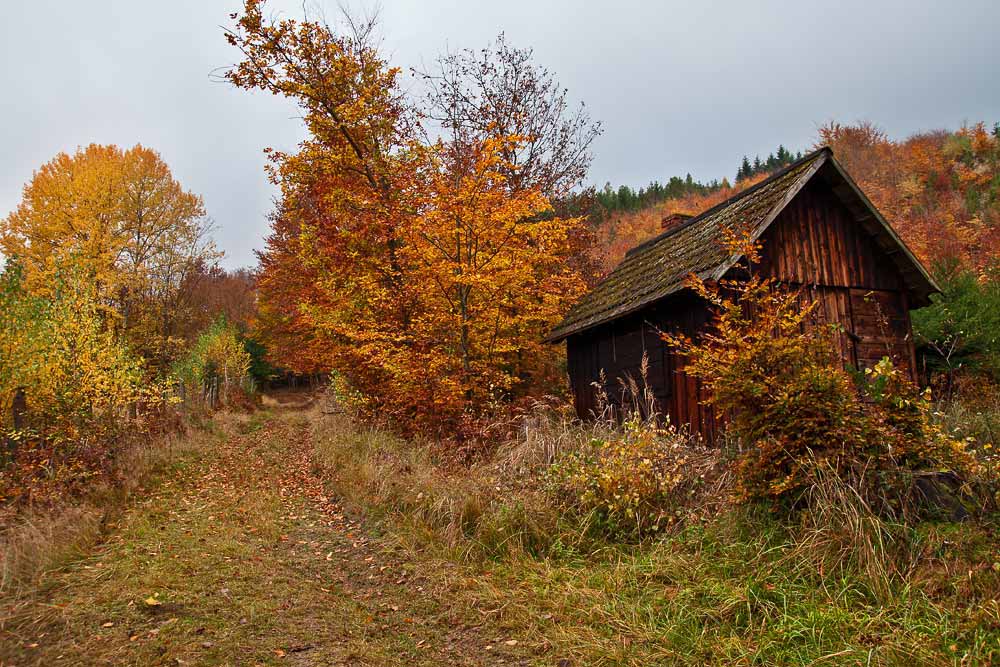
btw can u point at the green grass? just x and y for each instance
(738, 589)
(420, 561)
(719, 596)
(246, 563)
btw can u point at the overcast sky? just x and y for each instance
(680, 86)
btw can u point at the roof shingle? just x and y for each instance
(657, 268)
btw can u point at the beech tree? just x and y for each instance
(423, 272)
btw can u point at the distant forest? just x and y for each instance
(625, 198)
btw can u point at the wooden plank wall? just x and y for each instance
(816, 245)
(617, 349)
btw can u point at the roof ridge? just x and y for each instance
(653, 270)
(736, 197)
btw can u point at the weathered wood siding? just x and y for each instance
(814, 245)
(617, 349)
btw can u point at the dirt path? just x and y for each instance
(241, 559)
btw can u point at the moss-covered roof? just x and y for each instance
(657, 268)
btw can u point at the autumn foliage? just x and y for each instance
(940, 190)
(77, 382)
(624, 230)
(103, 257)
(773, 370)
(126, 227)
(424, 272)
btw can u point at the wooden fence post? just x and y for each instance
(18, 408)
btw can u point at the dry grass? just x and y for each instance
(840, 535)
(495, 506)
(731, 586)
(251, 563)
(34, 541)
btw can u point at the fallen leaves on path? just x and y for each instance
(253, 562)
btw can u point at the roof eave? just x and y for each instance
(932, 285)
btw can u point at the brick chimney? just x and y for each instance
(673, 220)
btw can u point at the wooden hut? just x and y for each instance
(818, 232)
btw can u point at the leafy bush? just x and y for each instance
(217, 362)
(83, 389)
(774, 372)
(960, 331)
(634, 482)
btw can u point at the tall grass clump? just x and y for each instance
(480, 509)
(636, 475)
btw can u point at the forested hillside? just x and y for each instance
(940, 189)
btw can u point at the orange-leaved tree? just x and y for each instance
(491, 262)
(420, 271)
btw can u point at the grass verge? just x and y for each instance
(737, 587)
(36, 540)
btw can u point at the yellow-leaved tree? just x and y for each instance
(126, 226)
(69, 386)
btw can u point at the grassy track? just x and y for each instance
(239, 559)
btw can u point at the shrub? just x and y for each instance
(83, 388)
(217, 366)
(634, 482)
(960, 331)
(774, 372)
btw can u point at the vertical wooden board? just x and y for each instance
(833, 230)
(691, 399)
(911, 348)
(818, 218)
(680, 392)
(779, 265)
(576, 369)
(816, 225)
(605, 355)
(787, 249)
(797, 248)
(806, 242)
(833, 234)
(841, 260)
(808, 247)
(861, 276)
(656, 373)
(829, 253)
(847, 258)
(840, 296)
(821, 224)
